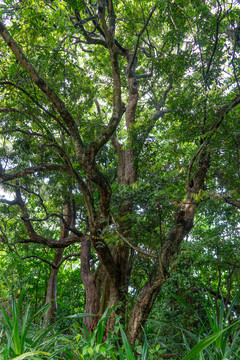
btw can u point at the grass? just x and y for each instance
(21, 342)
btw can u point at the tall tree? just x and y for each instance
(122, 97)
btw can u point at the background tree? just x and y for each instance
(137, 105)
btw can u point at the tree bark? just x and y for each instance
(127, 175)
(92, 297)
(175, 236)
(51, 295)
(116, 262)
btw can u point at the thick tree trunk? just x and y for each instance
(92, 297)
(127, 175)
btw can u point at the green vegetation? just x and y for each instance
(119, 179)
(21, 342)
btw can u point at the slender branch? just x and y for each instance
(118, 108)
(138, 39)
(159, 207)
(36, 103)
(37, 239)
(228, 281)
(82, 186)
(10, 131)
(55, 99)
(215, 44)
(233, 64)
(98, 108)
(220, 114)
(158, 114)
(75, 255)
(48, 216)
(39, 258)
(227, 199)
(218, 293)
(23, 112)
(140, 251)
(32, 170)
(101, 13)
(197, 42)
(9, 202)
(214, 293)
(89, 39)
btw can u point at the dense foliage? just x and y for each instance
(119, 173)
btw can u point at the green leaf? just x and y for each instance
(207, 342)
(126, 344)
(32, 353)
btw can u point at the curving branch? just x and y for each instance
(33, 170)
(37, 239)
(227, 199)
(183, 225)
(118, 105)
(72, 229)
(140, 251)
(159, 114)
(219, 19)
(23, 112)
(138, 40)
(67, 257)
(90, 37)
(82, 185)
(10, 83)
(36, 257)
(53, 97)
(11, 131)
(9, 202)
(101, 14)
(220, 114)
(188, 181)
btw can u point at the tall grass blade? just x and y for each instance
(43, 310)
(121, 356)
(180, 300)
(126, 344)
(30, 354)
(102, 325)
(6, 318)
(145, 348)
(232, 304)
(24, 327)
(15, 330)
(207, 342)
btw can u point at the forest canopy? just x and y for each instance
(120, 155)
